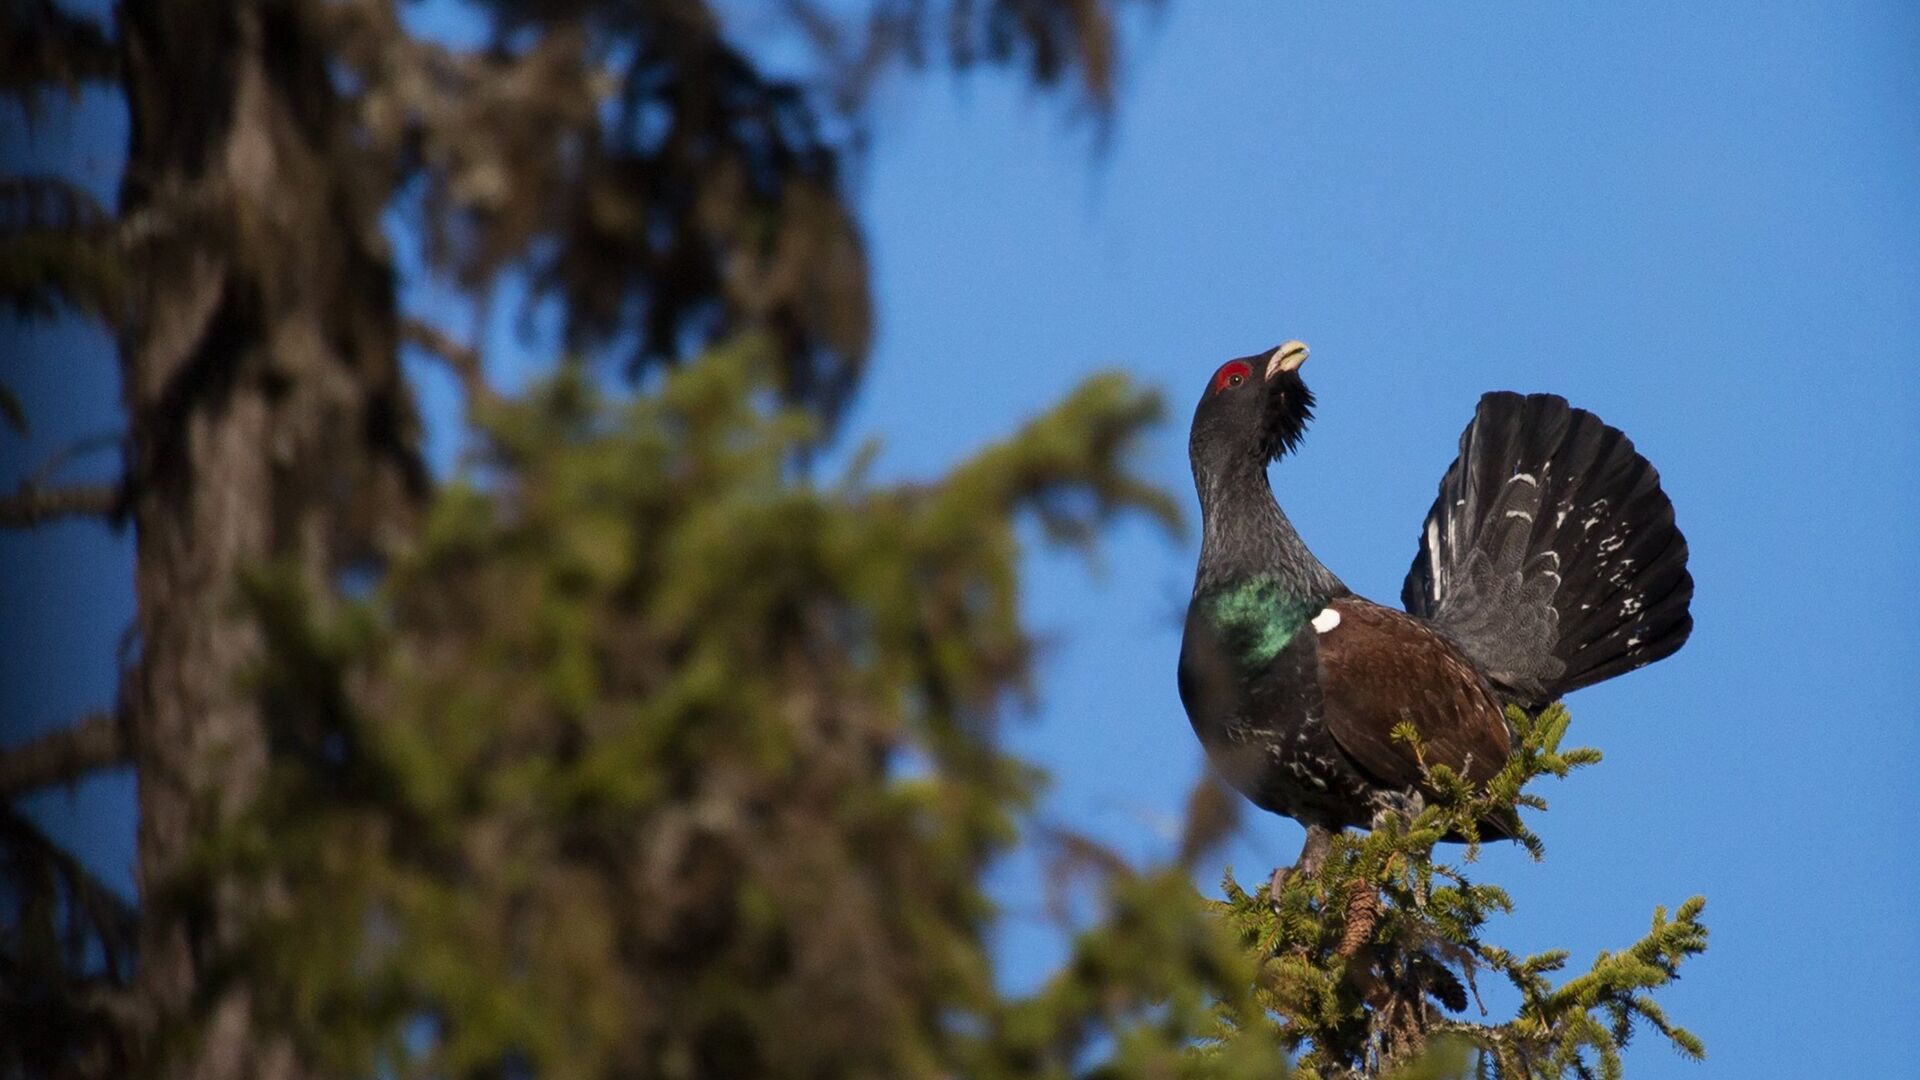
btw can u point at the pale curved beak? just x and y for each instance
(1287, 357)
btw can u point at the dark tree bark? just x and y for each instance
(268, 423)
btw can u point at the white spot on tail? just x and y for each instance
(1435, 563)
(1527, 477)
(1326, 620)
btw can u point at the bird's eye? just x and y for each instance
(1236, 379)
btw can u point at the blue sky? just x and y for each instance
(1699, 221)
(1700, 224)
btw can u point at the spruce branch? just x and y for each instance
(94, 915)
(57, 250)
(41, 202)
(40, 44)
(33, 505)
(66, 959)
(1370, 959)
(11, 410)
(462, 359)
(97, 741)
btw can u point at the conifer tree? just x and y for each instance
(630, 162)
(648, 752)
(651, 761)
(1375, 958)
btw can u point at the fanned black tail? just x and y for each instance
(1551, 554)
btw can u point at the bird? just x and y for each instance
(1548, 562)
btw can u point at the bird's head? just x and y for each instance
(1255, 408)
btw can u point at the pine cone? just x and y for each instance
(1363, 914)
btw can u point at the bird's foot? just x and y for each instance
(1278, 882)
(1313, 854)
(1402, 807)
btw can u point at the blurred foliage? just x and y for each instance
(55, 250)
(649, 752)
(640, 165)
(636, 163)
(641, 169)
(658, 759)
(61, 934)
(43, 45)
(655, 759)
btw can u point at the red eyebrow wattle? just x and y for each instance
(1228, 371)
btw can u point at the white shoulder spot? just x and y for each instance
(1326, 620)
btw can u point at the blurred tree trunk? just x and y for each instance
(625, 159)
(268, 423)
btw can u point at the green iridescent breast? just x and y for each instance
(1258, 618)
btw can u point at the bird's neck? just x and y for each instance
(1245, 536)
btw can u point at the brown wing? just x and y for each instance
(1380, 667)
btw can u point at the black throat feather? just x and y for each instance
(1245, 535)
(1289, 410)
